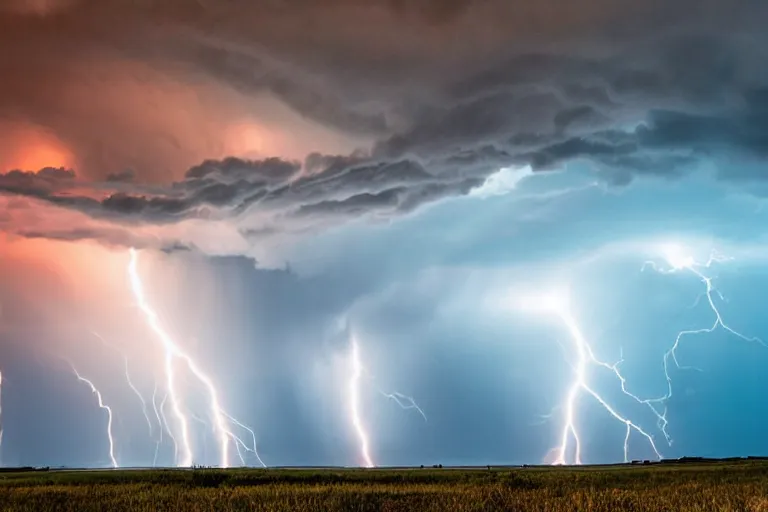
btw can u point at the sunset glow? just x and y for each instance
(30, 149)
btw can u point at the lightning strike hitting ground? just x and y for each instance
(679, 260)
(252, 448)
(109, 414)
(558, 305)
(174, 352)
(357, 371)
(354, 404)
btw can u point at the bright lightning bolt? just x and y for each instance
(558, 305)
(678, 261)
(106, 408)
(354, 403)
(403, 401)
(173, 352)
(239, 442)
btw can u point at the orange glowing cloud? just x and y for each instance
(107, 116)
(41, 155)
(248, 140)
(31, 148)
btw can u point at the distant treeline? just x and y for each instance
(698, 460)
(25, 469)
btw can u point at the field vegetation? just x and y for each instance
(722, 486)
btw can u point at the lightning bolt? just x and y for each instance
(167, 427)
(106, 408)
(163, 425)
(173, 352)
(679, 260)
(354, 403)
(557, 304)
(131, 385)
(357, 370)
(404, 401)
(239, 442)
(140, 396)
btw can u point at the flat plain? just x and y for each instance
(691, 486)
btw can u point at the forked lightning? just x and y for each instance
(558, 304)
(96, 392)
(222, 421)
(356, 373)
(679, 260)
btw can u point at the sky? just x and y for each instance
(334, 232)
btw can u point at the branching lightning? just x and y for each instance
(357, 370)
(558, 305)
(582, 359)
(404, 401)
(174, 352)
(131, 385)
(106, 408)
(239, 442)
(678, 261)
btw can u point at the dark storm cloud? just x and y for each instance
(668, 140)
(224, 184)
(440, 160)
(250, 72)
(434, 11)
(272, 171)
(39, 184)
(652, 89)
(126, 176)
(108, 236)
(345, 187)
(363, 67)
(390, 201)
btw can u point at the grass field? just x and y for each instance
(731, 486)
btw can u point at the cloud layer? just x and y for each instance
(438, 96)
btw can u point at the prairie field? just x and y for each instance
(721, 486)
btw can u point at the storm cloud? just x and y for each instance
(464, 90)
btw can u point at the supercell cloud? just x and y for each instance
(360, 153)
(364, 108)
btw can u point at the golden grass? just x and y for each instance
(732, 487)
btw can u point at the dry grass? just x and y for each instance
(721, 487)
